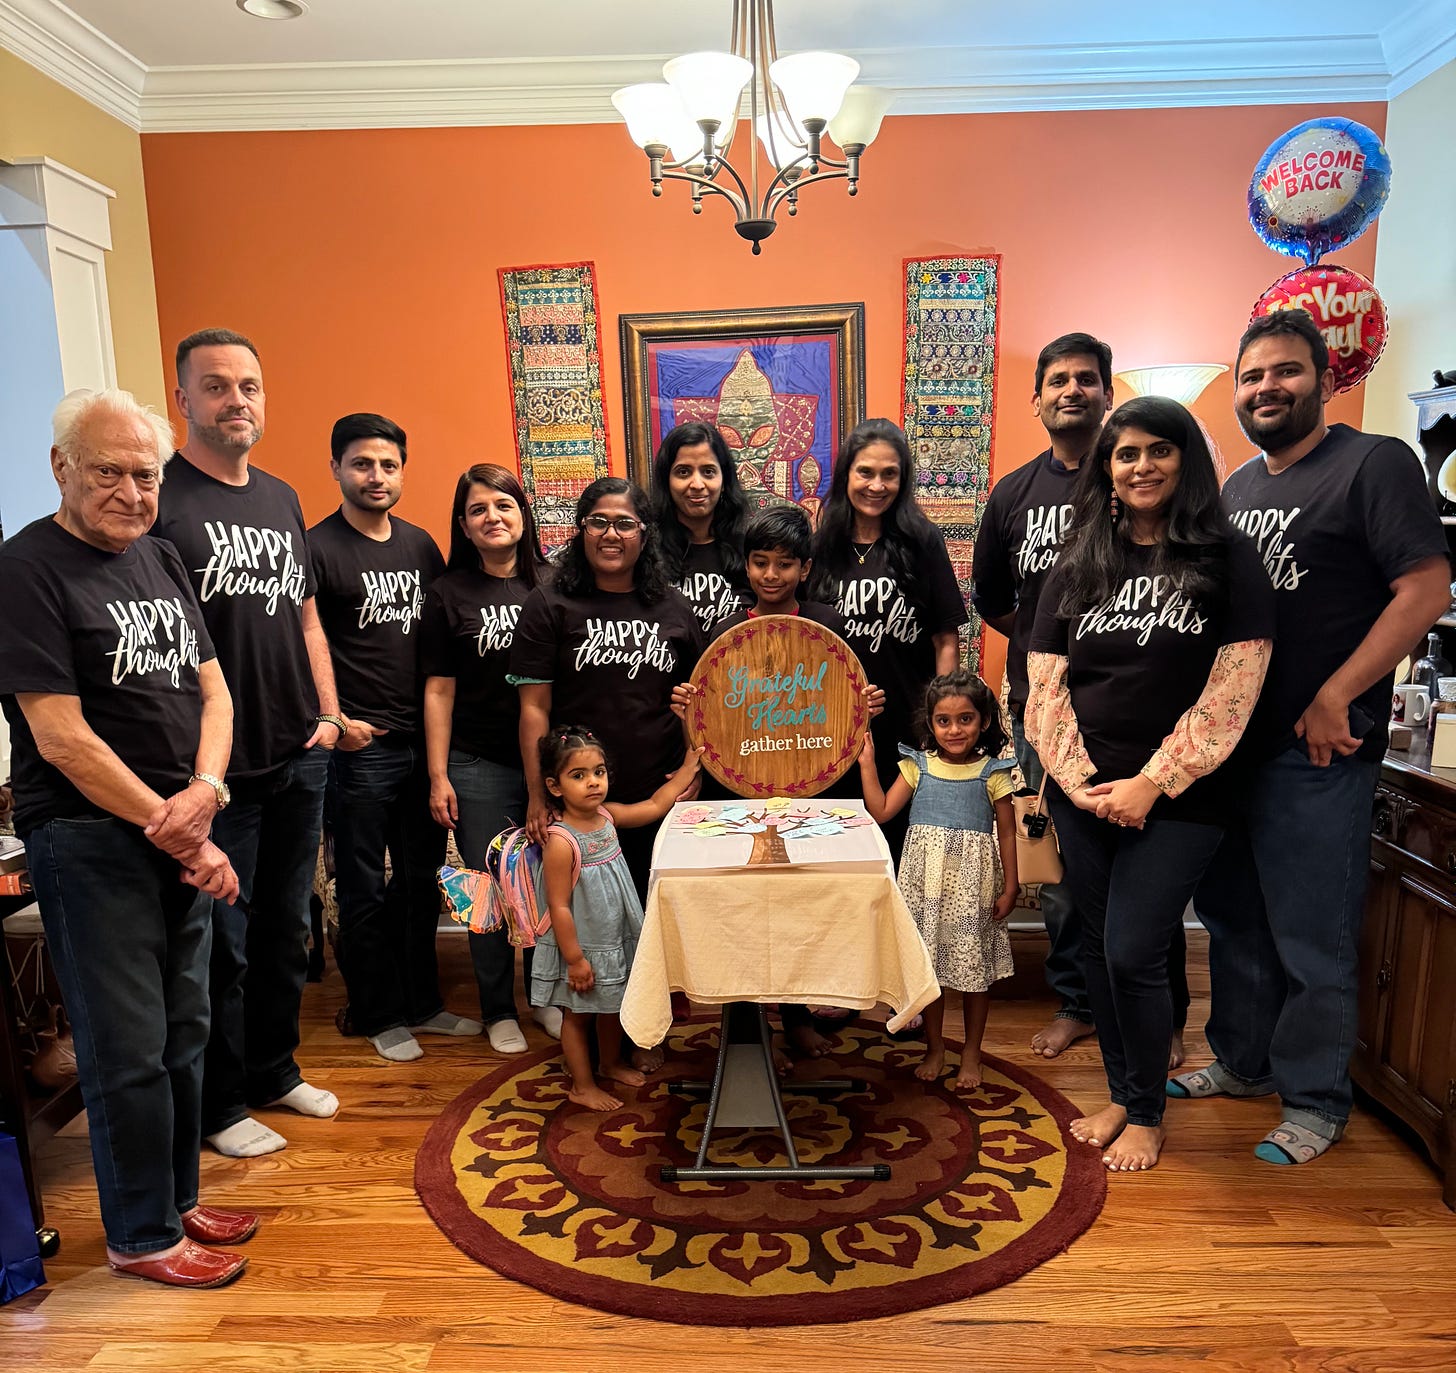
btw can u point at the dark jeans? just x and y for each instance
(1131, 887)
(129, 942)
(260, 946)
(489, 798)
(1064, 929)
(1283, 903)
(387, 928)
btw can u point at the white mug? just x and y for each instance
(1411, 705)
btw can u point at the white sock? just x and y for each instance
(549, 1019)
(447, 1023)
(308, 1101)
(249, 1138)
(397, 1045)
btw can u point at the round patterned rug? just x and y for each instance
(569, 1201)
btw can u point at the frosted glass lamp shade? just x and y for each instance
(783, 150)
(655, 114)
(813, 83)
(710, 85)
(858, 120)
(1180, 381)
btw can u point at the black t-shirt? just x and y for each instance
(816, 611)
(612, 661)
(705, 586)
(469, 624)
(1022, 531)
(246, 555)
(1334, 530)
(892, 634)
(121, 631)
(370, 596)
(1141, 658)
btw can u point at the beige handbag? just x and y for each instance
(1038, 859)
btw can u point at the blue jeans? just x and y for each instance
(490, 798)
(130, 942)
(1132, 887)
(381, 802)
(1283, 902)
(260, 946)
(1064, 928)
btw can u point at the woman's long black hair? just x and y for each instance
(904, 530)
(729, 515)
(574, 575)
(1194, 550)
(531, 564)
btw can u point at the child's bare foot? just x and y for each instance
(969, 1076)
(1135, 1149)
(806, 1042)
(593, 1098)
(782, 1062)
(931, 1066)
(620, 1072)
(1101, 1127)
(1176, 1052)
(648, 1060)
(1062, 1032)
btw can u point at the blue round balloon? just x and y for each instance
(1319, 187)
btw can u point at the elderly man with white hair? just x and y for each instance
(122, 726)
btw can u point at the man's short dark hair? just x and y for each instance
(365, 425)
(779, 529)
(1299, 323)
(212, 338)
(1075, 345)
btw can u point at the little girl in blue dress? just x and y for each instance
(958, 868)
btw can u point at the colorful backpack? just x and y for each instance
(510, 892)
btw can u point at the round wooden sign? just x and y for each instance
(780, 707)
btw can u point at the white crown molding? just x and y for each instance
(1419, 42)
(68, 50)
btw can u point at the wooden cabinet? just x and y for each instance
(1405, 1051)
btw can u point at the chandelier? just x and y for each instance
(686, 123)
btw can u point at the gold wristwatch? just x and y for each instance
(224, 796)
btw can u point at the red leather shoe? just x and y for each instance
(209, 1225)
(190, 1266)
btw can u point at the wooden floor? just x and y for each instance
(1212, 1261)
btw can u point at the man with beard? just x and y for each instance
(1021, 534)
(1351, 541)
(241, 536)
(372, 571)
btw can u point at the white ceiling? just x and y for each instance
(203, 64)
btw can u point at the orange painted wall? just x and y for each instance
(363, 263)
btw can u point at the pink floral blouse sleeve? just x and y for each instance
(1051, 724)
(1207, 731)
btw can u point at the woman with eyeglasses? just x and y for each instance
(472, 735)
(700, 509)
(603, 646)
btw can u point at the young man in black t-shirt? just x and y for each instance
(241, 536)
(1020, 536)
(1350, 540)
(372, 570)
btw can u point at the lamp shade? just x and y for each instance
(710, 85)
(782, 150)
(1180, 381)
(655, 114)
(858, 120)
(813, 83)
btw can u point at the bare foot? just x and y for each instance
(1101, 1127)
(1062, 1032)
(806, 1042)
(969, 1076)
(593, 1098)
(931, 1066)
(1176, 1052)
(1135, 1149)
(620, 1072)
(648, 1060)
(782, 1062)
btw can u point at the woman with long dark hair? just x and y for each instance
(884, 566)
(699, 509)
(472, 733)
(1151, 642)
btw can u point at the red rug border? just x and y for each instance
(1083, 1193)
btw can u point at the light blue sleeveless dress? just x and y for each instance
(950, 870)
(608, 919)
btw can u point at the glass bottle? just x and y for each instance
(1430, 669)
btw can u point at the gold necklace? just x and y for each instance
(868, 549)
